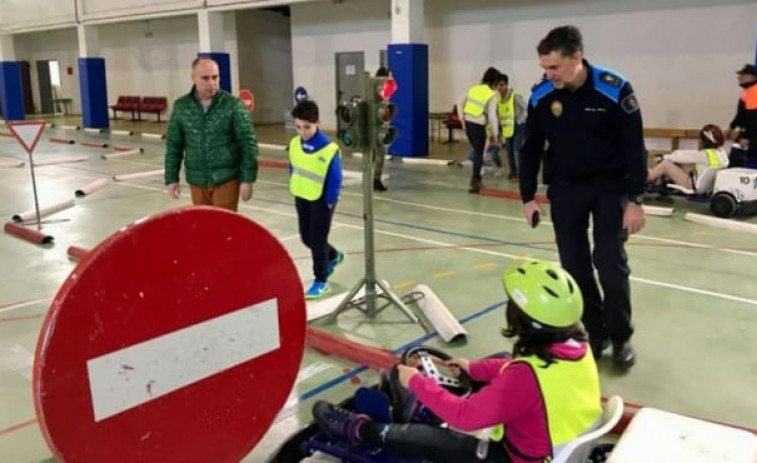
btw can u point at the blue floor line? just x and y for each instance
(356, 371)
(431, 229)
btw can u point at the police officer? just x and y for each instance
(589, 119)
(744, 124)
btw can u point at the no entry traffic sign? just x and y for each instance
(177, 339)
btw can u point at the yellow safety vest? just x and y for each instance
(572, 398)
(713, 161)
(476, 99)
(506, 113)
(309, 169)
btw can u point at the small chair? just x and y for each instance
(452, 122)
(579, 449)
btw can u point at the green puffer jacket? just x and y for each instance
(217, 146)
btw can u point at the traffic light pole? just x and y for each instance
(367, 304)
(370, 282)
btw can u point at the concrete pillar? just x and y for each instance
(407, 21)
(92, 79)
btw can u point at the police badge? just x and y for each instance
(556, 108)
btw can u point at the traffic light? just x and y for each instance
(350, 124)
(380, 128)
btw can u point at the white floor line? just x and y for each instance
(543, 222)
(477, 250)
(21, 305)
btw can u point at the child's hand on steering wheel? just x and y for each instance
(457, 365)
(405, 373)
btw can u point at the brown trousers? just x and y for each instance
(225, 195)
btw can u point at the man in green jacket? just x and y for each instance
(212, 132)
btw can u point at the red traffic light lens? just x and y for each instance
(388, 89)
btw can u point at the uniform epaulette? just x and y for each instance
(541, 90)
(608, 82)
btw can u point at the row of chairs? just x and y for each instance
(138, 105)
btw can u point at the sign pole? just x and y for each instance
(27, 133)
(34, 188)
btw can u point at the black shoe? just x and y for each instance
(378, 186)
(475, 186)
(597, 347)
(338, 422)
(623, 355)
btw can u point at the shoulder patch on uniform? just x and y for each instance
(630, 104)
(608, 82)
(610, 79)
(540, 91)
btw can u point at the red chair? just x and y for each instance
(126, 103)
(452, 122)
(153, 104)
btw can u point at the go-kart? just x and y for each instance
(388, 402)
(735, 191)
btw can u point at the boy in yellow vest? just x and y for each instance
(542, 398)
(315, 181)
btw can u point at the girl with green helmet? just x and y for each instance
(541, 398)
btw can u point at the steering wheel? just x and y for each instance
(426, 360)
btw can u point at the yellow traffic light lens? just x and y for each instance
(385, 112)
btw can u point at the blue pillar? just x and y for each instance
(11, 91)
(94, 93)
(224, 67)
(409, 65)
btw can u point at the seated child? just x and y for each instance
(543, 397)
(706, 162)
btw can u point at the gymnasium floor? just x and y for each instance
(694, 289)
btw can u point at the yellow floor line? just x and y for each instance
(445, 274)
(404, 284)
(485, 265)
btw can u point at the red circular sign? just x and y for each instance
(177, 339)
(248, 99)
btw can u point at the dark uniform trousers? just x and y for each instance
(314, 219)
(571, 207)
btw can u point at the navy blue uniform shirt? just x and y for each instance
(592, 135)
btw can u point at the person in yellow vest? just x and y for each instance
(544, 396)
(479, 110)
(315, 181)
(706, 162)
(512, 112)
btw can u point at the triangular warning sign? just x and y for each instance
(27, 133)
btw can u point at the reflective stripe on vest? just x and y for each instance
(713, 160)
(476, 99)
(571, 395)
(309, 170)
(506, 113)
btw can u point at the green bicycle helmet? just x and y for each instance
(545, 292)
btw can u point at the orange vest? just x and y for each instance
(749, 97)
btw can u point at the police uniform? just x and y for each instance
(595, 153)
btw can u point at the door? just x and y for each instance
(45, 87)
(349, 67)
(26, 84)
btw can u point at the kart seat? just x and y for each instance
(579, 449)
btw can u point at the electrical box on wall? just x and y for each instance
(70, 70)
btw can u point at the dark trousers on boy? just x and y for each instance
(314, 219)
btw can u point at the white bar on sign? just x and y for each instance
(137, 374)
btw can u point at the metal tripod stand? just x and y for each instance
(367, 304)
